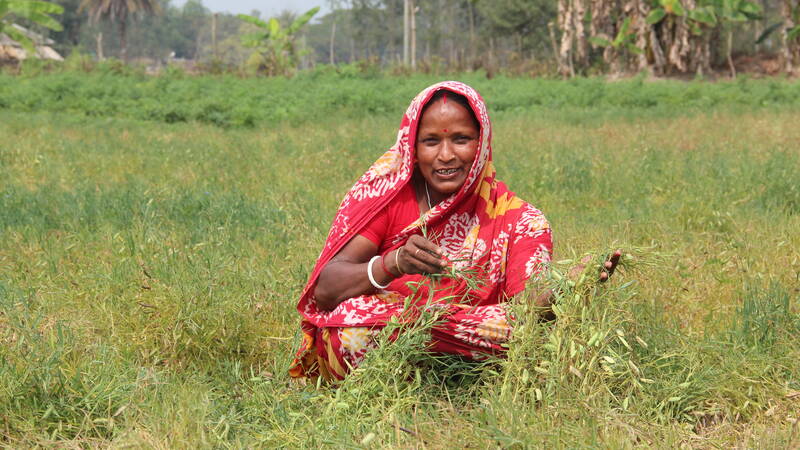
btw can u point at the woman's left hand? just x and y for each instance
(606, 270)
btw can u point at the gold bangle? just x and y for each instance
(397, 262)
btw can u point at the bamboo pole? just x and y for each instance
(405, 33)
(413, 14)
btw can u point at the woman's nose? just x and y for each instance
(446, 152)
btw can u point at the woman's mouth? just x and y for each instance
(446, 174)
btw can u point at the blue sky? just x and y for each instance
(267, 7)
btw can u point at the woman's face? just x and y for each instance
(447, 142)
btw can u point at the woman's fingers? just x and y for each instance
(609, 266)
(419, 253)
(421, 261)
(425, 245)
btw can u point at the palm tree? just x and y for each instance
(119, 11)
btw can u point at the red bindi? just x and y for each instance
(444, 98)
(444, 131)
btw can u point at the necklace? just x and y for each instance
(427, 195)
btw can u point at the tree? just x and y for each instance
(119, 11)
(36, 12)
(275, 44)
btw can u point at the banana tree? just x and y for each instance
(37, 12)
(274, 44)
(685, 28)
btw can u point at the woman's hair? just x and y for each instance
(452, 96)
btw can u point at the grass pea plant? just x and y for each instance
(150, 268)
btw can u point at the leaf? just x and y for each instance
(623, 32)
(704, 15)
(769, 30)
(634, 49)
(45, 21)
(673, 7)
(598, 41)
(656, 15)
(737, 16)
(23, 7)
(793, 33)
(254, 39)
(253, 20)
(35, 11)
(753, 11)
(274, 27)
(302, 20)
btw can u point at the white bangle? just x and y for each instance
(369, 274)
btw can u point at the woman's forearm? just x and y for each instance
(340, 280)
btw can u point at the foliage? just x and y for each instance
(228, 101)
(274, 43)
(35, 11)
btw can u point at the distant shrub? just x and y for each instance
(114, 88)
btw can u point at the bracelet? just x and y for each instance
(383, 265)
(397, 262)
(369, 274)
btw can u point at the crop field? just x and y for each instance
(150, 264)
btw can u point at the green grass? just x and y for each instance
(149, 274)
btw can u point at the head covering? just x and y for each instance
(483, 226)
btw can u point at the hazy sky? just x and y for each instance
(267, 7)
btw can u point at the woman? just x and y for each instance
(430, 204)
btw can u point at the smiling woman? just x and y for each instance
(437, 180)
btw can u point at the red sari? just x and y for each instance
(483, 227)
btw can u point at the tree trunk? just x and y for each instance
(99, 42)
(214, 35)
(730, 53)
(642, 28)
(581, 47)
(565, 23)
(787, 52)
(332, 51)
(123, 41)
(659, 60)
(490, 69)
(553, 43)
(352, 49)
(684, 50)
(471, 55)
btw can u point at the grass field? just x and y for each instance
(149, 273)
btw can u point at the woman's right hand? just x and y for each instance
(420, 256)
